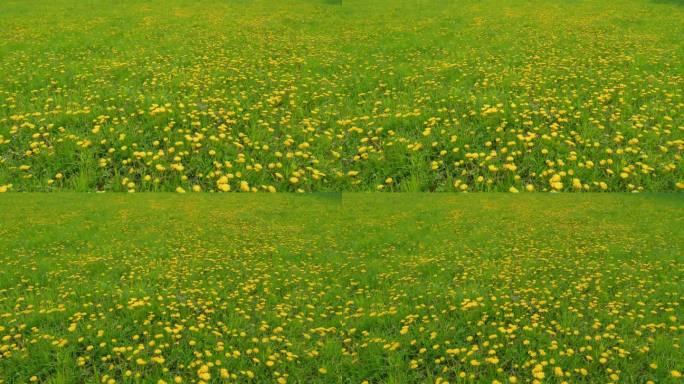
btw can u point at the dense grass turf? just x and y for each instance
(407, 95)
(383, 288)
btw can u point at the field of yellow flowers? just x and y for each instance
(353, 289)
(325, 95)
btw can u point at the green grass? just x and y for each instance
(324, 95)
(90, 283)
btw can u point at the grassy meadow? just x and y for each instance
(309, 95)
(339, 98)
(381, 288)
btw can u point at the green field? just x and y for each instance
(337, 95)
(380, 288)
(338, 98)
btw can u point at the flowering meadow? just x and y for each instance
(326, 95)
(363, 289)
(211, 100)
